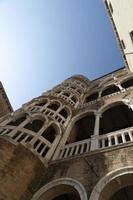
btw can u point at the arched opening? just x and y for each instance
(54, 106)
(64, 113)
(125, 193)
(109, 90)
(50, 134)
(42, 103)
(82, 129)
(62, 189)
(116, 185)
(79, 91)
(67, 94)
(66, 196)
(127, 83)
(74, 99)
(17, 121)
(35, 125)
(116, 118)
(91, 97)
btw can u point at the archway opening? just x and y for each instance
(54, 106)
(42, 103)
(91, 97)
(125, 193)
(49, 134)
(118, 188)
(64, 113)
(109, 90)
(35, 126)
(127, 83)
(67, 196)
(82, 129)
(116, 118)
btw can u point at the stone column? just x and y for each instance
(94, 138)
(129, 102)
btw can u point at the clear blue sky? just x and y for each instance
(43, 42)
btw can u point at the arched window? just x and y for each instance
(67, 94)
(83, 128)
(49, 134)
(109, 90)
(17, 121)
(35, 125)
(64, 113)
(74, 99)
(54, 106)
(116, 118)
(42, 103)
(79, 91)
(91, 97)
(127, 83)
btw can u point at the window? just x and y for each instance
(64, 113)
(131, 35)
(111, 8)
(54, 106)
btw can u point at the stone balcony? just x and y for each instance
(100, 142)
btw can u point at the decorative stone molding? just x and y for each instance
(76, 185)
(96, 193)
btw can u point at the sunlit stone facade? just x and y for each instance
(74, 142)
(121, 15)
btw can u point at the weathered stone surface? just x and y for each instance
(20, 172)
(89, 169)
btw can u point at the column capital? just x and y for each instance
(98, 114)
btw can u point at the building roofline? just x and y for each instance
(109, 73)
(6, 97)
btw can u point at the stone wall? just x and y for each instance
(20, 172)
(89, 169)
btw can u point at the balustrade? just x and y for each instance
(24, 137)
(75, 149)
(104, 141)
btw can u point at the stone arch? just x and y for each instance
(106, 80)
(66, 93)
(115, 116)
(109, 105)
(65, 111)
(110, 89)
(39, 116)
(74, 99)
(67, 184)
(51, 132)
(73, 126)
(91, 97)
(35, 125)
(41, 102)
(112, 182)
(17, 118)
(128, 82)
(54, 105)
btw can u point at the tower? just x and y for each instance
(73, 142)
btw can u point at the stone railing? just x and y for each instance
(39, 146)
(97, 143)
(75, 149)
(105, 97)
(116, 138)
